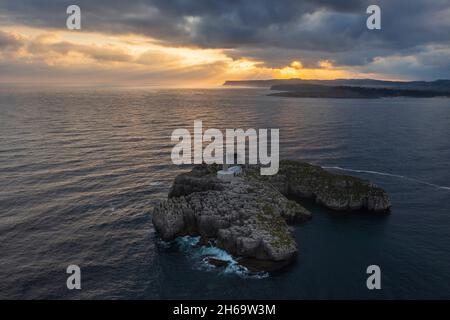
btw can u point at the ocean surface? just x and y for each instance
(81, 169)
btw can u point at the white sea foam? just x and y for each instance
(200, 255)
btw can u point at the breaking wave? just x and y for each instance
(202, 253)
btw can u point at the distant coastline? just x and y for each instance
(349, 88)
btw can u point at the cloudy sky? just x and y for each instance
(205, 42)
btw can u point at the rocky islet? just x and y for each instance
(248, 216)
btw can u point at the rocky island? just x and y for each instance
(248, 216)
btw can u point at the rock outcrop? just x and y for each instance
(334, 191)
(246, 216)
(249, 215)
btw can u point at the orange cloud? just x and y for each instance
(133, 59)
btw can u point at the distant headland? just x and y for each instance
(349, 88)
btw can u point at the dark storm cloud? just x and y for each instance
(310, 24)
(272, 30)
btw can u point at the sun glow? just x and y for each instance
(135, 59)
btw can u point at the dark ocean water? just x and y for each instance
(81, 169)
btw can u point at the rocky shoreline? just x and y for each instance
(249, 215)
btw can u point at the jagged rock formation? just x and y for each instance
(249, 215)
(246, 216)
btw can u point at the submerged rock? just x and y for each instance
(218, 263)
(249, 215)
